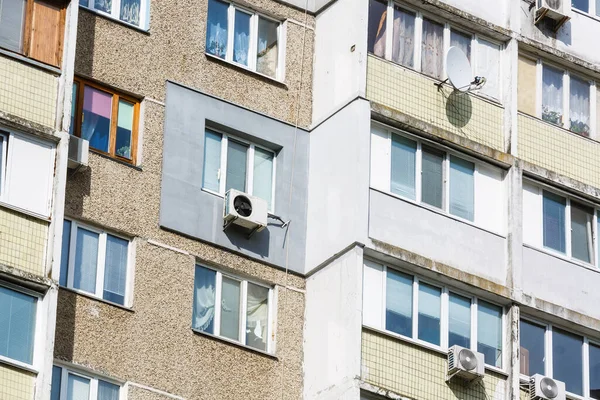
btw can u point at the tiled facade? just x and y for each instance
(16, 384)
(27, 92)
(417, 373)
(24, 241)
(414, 94)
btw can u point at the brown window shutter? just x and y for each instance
(47, 30)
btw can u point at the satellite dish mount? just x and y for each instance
(459, 72)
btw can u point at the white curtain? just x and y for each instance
(432, 58)
(78, 388)
(204, 299)
(579, 105)
(461, 41)
(403, 48)
(241, 38)
(552, 95)
(216, 34)
(130, 11)
(257, 316)
(488, 66)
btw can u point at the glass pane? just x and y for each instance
(432, 176)
(552, 96)
(582, 5)
(462, 188)
(73, 107)
(95, 123)
(376, 34)
(579, 104)
(56, 382)
(598, 8)
(567, 361)
(17, 325)
(430, 301)
(268, 47)
(216, 28)
(115, 271)
(241, 38)
(432, 49)
(236, 166)
(459, 321)
(403, 42)
(230, 309)
(130, 11)
(103, 5)
(107, 391)
(257, 317)
(64, 255)
(12, 19)
(532, 349)
(124, 129)
(204, 300)
(78, 388)
(462, 41)
(403, 166)
(554, 221)
(489, 333)
(488, 65)
(594, 372)
(86, 260)
(398, 303)
(212, 161)
(263, 175)
(582, 240)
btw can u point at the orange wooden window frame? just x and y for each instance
(116, 96)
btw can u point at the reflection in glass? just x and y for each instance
(230, 309)
(594, 372)
(124, 129)
(398, 303)
(263, 175)
(236, 166)
(95, 122)
(103, 5)
(430, 301)
(268, 47)
(489, 333)
(459, 321)
(567, 360)
(216, 29)
(532, 348)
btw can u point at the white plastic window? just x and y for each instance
(72, 385)
(132, 12)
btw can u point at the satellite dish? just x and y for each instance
(459, 69)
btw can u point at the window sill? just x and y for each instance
(439, 212)
(426, 345)
(109, 157)
(562, 257)
(548, 124)
(96, 298)
(238, 344)
(30, 61)
(245, 69)
(113, 19)
(18, 364)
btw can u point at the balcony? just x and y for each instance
(16, 384)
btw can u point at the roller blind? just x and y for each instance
(462, 188)
(404, 153)
(432, 176)
(263, 175)
(236, 166)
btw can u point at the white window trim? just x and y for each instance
(444, 316)
(548, 354)
(253, 45)
(243, 305)
(566, 82)
(445, 210)
(66, 370)
(419, 15)
(222, 173)
(541, 187)
(39, 331)
(591, 12)
(101, 264)
(116, 11)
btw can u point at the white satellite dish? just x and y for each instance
(459, 69)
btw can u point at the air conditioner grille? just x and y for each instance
(467, 359)
(451, 360)
(554, 4)
(242, 206)
(549, 388)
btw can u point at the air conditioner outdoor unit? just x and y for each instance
(543, 388)
(243, 210)
(465, 364)
(557, 10)
(79, 150)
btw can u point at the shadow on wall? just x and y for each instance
(65, 325)
(78, 188)
(258, 243)
(474, 390)
(86, 32)
(459, 109)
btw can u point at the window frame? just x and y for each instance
(549, 356)
(566, 89)
(38, 331)
(219, 274)
(253, 43)
(249, 181)
(115, 13)
(592, 12)
(101, 263)
(541, 187)
(444, 314)
(112, 136)
(448, 27)
(66, 370)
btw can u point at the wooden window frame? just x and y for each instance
(116, 96)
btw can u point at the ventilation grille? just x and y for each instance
(451, 360)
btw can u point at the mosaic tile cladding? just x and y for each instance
(416, 95)
(23, 241)
(27, 92)
(417, 373)
(543, 144)
(15, 384)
